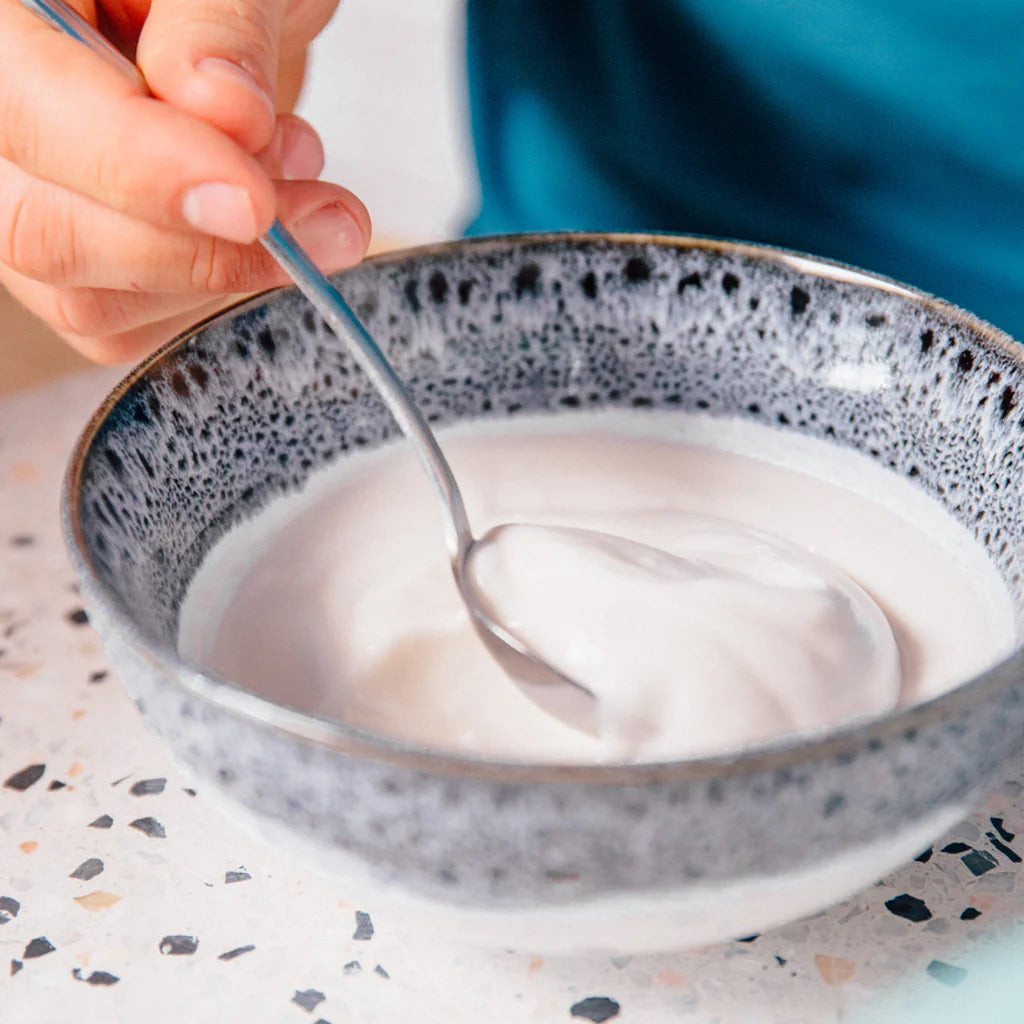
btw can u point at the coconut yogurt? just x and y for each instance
(789, 586)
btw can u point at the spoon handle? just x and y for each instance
(325, 298)
(347, 326)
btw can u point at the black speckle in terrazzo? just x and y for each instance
(595, 1008)
(38, 947)
(148, 787)
(353, 967)
(55, 785)
(923, 858)
(749, 938)
(380, 970)
(22, 540)
(237, 951)
(189, 791)
(98, 676)
(96, 977)
(780, 961)
(364, 927)
(178, 945)
(103, 821)
(979, 861)
(1004, 833)
(730, 282)
(123, 778)
(970, 914)
(946, 973)
(240, 875)
(150, 827)
(29, 776)
(308, 998)
(909, 907)
(9, 908)
(87, 869)
(1010, 854)
(955, 848)
(78, 617)
(16, 965)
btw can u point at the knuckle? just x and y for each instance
(202, 266)
(219, 267)
(38, 239)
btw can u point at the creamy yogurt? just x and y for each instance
(339, 600)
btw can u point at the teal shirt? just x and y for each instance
(885, 133)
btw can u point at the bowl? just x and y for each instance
(249, 404)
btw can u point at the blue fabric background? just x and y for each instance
(886, 133)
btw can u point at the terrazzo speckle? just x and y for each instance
(150, 827)
(286, 934)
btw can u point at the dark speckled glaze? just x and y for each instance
(246, 406)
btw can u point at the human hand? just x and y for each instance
(124, 216)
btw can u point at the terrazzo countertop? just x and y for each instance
(125, 897)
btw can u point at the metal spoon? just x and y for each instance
(549, 688)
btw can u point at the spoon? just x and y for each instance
(545, 685)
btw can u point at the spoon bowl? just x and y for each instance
(548, 687)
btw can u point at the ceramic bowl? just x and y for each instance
(247, 405)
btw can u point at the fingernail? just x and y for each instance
(219, 67)
(330, 236)
(216, 208)
(302, 154)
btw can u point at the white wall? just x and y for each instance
(387, 91)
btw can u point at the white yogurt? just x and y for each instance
(714, 637)
(339, 600)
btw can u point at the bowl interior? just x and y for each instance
(250, 404)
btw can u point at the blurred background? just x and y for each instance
(387, 89)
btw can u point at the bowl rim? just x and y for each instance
(342, 738)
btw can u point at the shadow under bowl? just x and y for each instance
(249, 404)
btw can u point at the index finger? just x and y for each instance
(72, 119)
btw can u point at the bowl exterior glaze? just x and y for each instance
(249, 404)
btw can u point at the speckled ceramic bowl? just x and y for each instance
(249, 404)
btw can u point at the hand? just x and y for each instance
(125, 217)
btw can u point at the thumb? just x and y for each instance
(217, 60)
